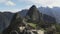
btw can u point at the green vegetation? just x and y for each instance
(47, 27)
(33, 25)
(58, 28)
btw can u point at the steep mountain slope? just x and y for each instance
(33, 14)
(5, 19)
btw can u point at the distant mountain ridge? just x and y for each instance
(32, 14)
(46, 10)
(54, 12)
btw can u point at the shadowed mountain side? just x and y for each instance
(14, 25)
(5, 19)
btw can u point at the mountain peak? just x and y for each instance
(33, 14)
(33, 8)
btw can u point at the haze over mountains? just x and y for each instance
(54, 12)
(5, 17)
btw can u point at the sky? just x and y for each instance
(18, 5)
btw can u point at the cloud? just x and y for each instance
(10, 3)
(49, 3)
(11, 10)
(55, 3)
(14, 10)
(26, 4)
(7, 2)
(3, 1)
